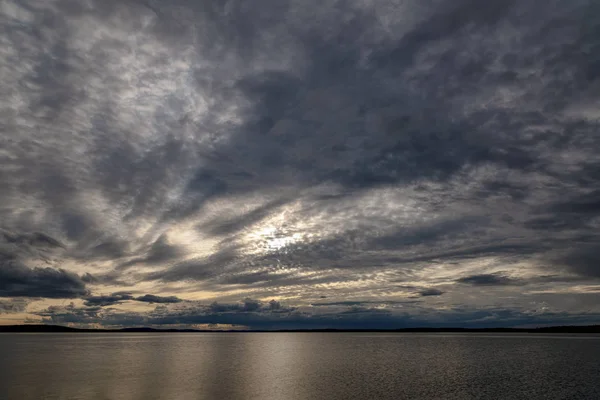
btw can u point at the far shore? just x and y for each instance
(30, 328)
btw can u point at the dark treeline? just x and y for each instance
(66, 329)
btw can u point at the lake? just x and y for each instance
(290, 366)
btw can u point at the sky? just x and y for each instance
(302, 164)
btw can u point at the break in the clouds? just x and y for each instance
(414, 162)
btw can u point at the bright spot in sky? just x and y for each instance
(271, 239)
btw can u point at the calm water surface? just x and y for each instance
(290, 366)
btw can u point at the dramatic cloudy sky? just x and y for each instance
(300, 163)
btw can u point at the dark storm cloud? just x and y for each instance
(406, 149)
(430, 292)
(427, 234)
(287, 145)
(581, 205)
(249, 305)
(34, 239)
(117, 298)
(150, 298)
(17, 280)
(104, 301)
(18, 245)
(488, 280)
(583, 260)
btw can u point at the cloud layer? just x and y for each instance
(438, 156)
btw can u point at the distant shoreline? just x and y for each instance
(66, 329)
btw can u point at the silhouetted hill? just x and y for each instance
(40, 328)
(65, 329)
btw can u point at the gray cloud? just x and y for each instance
(70, 314)
(13, 306)
(360, 304)
(160, 252)
(225, 226)
(352, 317)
